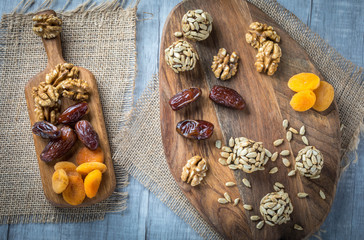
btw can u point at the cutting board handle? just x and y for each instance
(53, 46)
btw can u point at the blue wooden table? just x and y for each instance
(340, 22)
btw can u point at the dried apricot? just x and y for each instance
(87, 155)
(75, 191)
(324, 96)
(92, 183)
(303, 100)
(88, 167)
(304, 81)
(67, 166)
(59, 181)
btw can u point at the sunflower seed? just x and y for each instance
(218, 144)
(304, 140)
(302, 194)
(286, 162)
(260, 224)
(222, 200)
(248, 207)
(236, 201)
(289, 136)
(322, 194)
(267, 152)
(278, 184)
(273, 170)
(293, 130)
(254, 218)
(178, 34)
(277, 189)
(285, 123)
(298, 227)
(231, 142)
(274, 156)
(227, 196)
(270, 223)
(285, 153)
(222, 161)
(277, 142)
(224, 154)
(302, 130)
(233, 167)
(292, 173)
(246, 183)
(230, 184)
(252, 155)
(226, 149)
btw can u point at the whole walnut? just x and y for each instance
(260, 33)
(47, 25)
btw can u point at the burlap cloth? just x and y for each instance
(138, 147)
(100, 38)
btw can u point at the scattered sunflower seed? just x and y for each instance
(254, 218)
(227, 196)
(260, 224)
(289, 136)
(248, 207)
(322, 194)
(178, 34)
(277, 142)
(231, 142)
(246, 182)
(298, 227)
(222, 161)
(222, 200)
(230, 184)
(226, 149)
(273, 170)
(236, 201)
(285, 123)
(286, 162)
(218, 144)
(292, 173)
(304, 140)
(267, 152)
(293, 130)
(302, 194)
(278, 184)
(302, 130)
(285, 153)
(274, 156)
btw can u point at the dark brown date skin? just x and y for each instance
(227, 97)
(195, 129)
(46, 130)
(73, 113)
(183, 98)
(87, 135)
(58, 148)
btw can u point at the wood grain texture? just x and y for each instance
(95, 116)
(268, 104)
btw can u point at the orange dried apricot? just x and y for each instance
(92, 183)
(75, 191)
(88, 167)
(303, 100)
(59, 181)
(65, 165)
(324, 96)
(304, 81)
(87, 155)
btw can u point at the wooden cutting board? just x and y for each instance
(267, 101)
(53, 49)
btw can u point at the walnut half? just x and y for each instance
(194, 171)
(268, 57)
(260, 33)
(225, 65)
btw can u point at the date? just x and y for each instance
(46, 130)
(227, 97)
(73, 113)
(195, 129)
(183, 98)
(58, 148)
(87, 135)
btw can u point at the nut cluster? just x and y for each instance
(309, 162)
(181, 56)
(276, 208)
(197, 25)
(224, 65)
(194, 171)
(47, 25)
(247, 155)
(60, 82)
(265, 39)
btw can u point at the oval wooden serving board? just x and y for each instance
(95, 116)
(267, 101)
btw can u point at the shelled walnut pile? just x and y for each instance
(60, 82)
(47, 25)
(265, 39)
(194, 171)
(225, 65)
